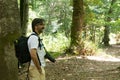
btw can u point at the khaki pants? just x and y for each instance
(35, 75)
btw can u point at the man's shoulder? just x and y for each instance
(33, 36)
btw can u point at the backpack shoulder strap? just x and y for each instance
(39, 45)
(38, 39)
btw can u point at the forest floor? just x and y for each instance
(105, 67)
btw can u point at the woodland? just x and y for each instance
(83, 36)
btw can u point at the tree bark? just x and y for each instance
(106, 38)
(9, 30)
(77, 25)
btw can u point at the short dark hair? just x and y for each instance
(37, 21)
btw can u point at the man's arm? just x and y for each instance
(33, 53)
(49, 57)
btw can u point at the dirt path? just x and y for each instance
(76, 68)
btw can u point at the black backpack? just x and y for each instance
(21, 50)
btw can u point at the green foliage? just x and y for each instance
(56, 43)
(56, 12)
(115, 26)
(58, 16)
(96, 13)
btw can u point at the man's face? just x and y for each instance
(40, 28)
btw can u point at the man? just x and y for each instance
(37, 52)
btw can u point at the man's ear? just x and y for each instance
(35, 27)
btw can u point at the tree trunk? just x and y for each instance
(77, 25)
(106, 38)
(92, 33)
(9, 30)
(24, 15)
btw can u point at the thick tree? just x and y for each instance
(77, 25)
(9, 30)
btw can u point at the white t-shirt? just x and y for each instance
(34, 43)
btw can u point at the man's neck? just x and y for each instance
(36, 32)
